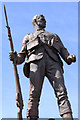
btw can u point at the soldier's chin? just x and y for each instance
(42, 26)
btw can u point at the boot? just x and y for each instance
(32, 118)
(67, 116)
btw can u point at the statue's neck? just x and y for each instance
(39, 29)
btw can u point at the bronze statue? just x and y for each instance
(43, 50)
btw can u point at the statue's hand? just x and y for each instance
(70, 59)
(73, 58)
(12, 55)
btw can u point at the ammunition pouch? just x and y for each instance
(26, 69)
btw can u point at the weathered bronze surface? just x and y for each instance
(43, 50)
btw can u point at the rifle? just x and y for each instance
(19, 100)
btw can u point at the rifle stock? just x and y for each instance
(19, 100)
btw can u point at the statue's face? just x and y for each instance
(41, 22)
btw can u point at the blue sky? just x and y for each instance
(62, 18)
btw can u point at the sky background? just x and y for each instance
(62, 18)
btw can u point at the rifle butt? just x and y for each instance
(19, 115)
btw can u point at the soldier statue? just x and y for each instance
(43, 50)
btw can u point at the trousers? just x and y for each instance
(53, 71)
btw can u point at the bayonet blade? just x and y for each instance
(5, 16)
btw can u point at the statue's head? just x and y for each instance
(39, 21)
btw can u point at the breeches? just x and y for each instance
(53, 71)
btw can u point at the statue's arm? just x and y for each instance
(20, 57)
(65, 54)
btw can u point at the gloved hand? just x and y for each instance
(71, 58)
(13, 55)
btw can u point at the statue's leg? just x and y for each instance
(55, 76)
(37, 72)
